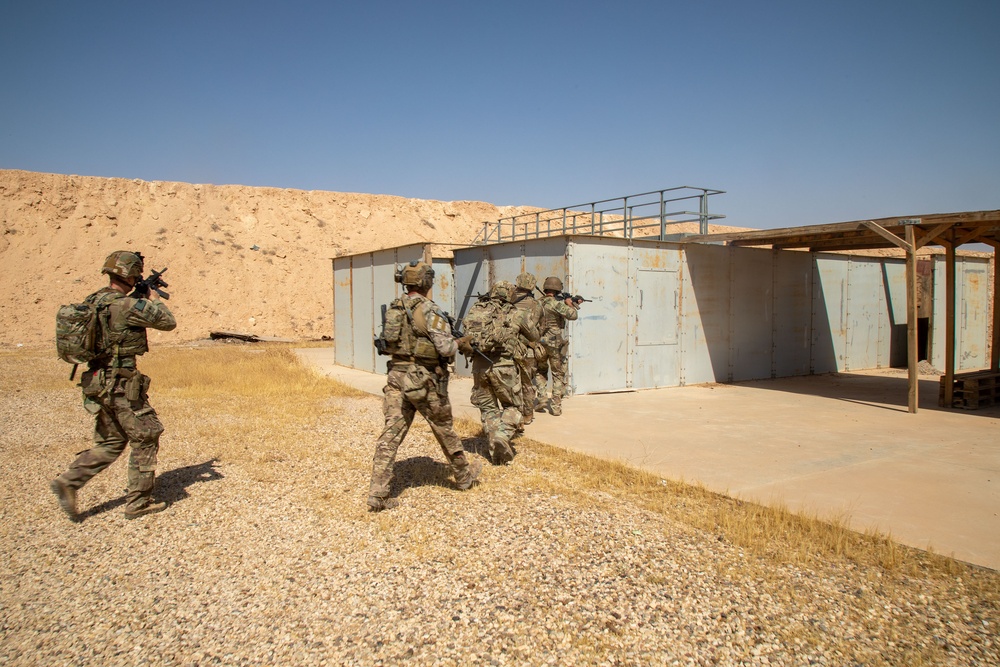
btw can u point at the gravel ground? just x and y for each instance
(281, 565)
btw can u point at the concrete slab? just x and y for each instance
(837, 446)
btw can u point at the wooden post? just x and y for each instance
(949, 315)
(911, 318)
(995, 345)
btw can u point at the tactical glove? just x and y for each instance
(465, 346)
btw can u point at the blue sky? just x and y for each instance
(803, 112)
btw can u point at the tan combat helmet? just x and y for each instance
(124, 264)
(503, 290)
(416, 274)
(552, 283)
(526, 281)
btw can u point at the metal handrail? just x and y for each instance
(618, 220)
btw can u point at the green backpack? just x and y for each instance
(81, 328)
(490, 327)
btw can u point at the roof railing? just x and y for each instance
(645, 215)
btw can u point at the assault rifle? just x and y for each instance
(562, 296)
(153, 283)
(575, 298)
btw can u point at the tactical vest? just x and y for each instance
(405, 331)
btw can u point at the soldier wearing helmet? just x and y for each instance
(115, 392)
(531, 310)
(417, 381)
(555, 313)
(496, 375)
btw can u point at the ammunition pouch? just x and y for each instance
(416, 383)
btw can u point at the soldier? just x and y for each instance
(496, 329)
(555, 312)
(418, 381)
(525, 302)
(116, 392)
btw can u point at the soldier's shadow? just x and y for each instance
(171, 486)
(477, 445)
(419, 471)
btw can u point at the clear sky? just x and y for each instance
(803, 111)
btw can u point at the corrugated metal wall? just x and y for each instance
(972, 299)
(665, 314)
(361, 284)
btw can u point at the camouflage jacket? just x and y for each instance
(128, 319)
(553, 320)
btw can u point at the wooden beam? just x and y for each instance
(968, 236)
(907, 245)
(934, 233)
(911, 321)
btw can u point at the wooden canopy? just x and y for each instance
(910, 233)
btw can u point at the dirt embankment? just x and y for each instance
(247, 259)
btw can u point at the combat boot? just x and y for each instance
(376, 504)
(151, 507)
(556, 410)
(467, 475)
(66, 496)
(503, 454)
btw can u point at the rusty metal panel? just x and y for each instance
(655, 309)
(791, 337)
(829, 312)
(598, 350)
(362, 284)
(892, 351)
(343, 329)
(546, 257)
(705, 304)
(972, 294)
(867, 315)
(384, 290)
(751, 323)
(443, 292)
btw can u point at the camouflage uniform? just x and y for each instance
(497, 388)
(553, 323)
(528, 366)
(115, 392)
(419, 384)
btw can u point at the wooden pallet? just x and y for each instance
(974, 390)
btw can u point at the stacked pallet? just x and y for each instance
(976, 389)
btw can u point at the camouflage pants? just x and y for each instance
(122, 416)
(554, 363)
(411, 388)
(528, 368)
(496, 391)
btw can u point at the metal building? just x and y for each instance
(667, 314)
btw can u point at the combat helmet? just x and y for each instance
(552, 283)
(503, 290)
(124, 264)
(415, 274)
(526, 281)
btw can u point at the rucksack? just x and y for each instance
(397, 334)
(399, 337)
(490, 327)
(81, 328)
